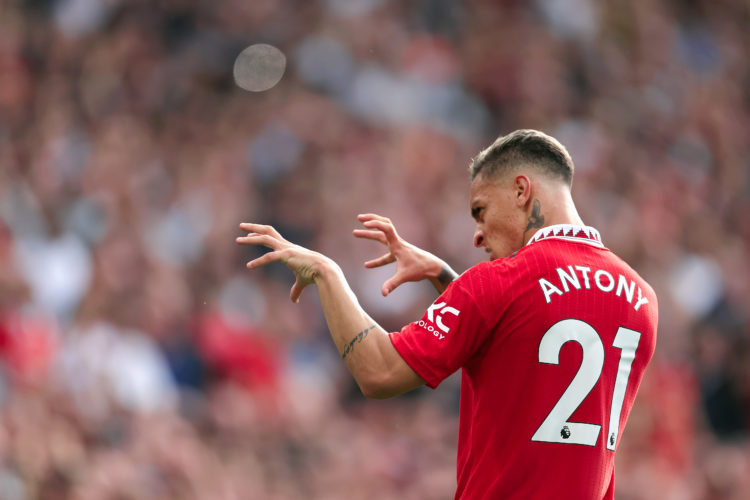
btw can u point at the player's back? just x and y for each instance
(547, 395)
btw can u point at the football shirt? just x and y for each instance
(553, 342)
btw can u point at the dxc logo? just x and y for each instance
(438, 318)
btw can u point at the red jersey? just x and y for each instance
(553, 342)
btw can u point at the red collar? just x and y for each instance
(582, 234)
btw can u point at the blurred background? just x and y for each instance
(139, 359)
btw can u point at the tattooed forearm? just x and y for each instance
(357, 338)
(536, 219)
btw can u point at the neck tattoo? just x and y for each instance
(536, 219)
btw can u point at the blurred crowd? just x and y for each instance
(139, 359)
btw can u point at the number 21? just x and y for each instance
(556, 428)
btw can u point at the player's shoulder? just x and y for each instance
(630, 270)
(483, 284)
(488, 271)
(549, 254)
(554, 252)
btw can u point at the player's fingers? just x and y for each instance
(260, 229)
(391, 235)
(391, 284)
(259, 239)
(264, 259)
(370, 235)
(380, 261)
(366, 217)
(296, 291)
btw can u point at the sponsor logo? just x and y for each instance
(435, 315)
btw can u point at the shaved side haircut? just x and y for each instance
(524, 147)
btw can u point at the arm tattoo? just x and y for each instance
(536, 219)
(348, 348)
(446, 276)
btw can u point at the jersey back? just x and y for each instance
(553, 343)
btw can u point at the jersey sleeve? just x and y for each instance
(452, 329)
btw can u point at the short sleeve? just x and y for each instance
(452, 329)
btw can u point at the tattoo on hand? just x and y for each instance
(446, 276)
(348, 348)
(536, 219)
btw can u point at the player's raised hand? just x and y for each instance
(412, 263)
(305, 263)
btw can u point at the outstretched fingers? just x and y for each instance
(392, 283)
(304, 263)
(381, 261)
(260, 229)
(370, 235)
(386, 227)
(260, 239)
(266, 258)
(261, 234)
(366, 217)
(296, 291)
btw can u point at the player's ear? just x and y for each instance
(522, 190)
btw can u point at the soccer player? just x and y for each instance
(553, 333)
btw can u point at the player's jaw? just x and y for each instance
(494, 249)
(496, 254)
(501, 242)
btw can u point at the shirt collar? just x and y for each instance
(571, 232)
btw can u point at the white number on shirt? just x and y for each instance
(556, 428)
(627, 341)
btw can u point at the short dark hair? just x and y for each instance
(524, 146)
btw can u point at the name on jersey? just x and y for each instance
(578, 277)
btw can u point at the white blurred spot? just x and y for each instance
(259, 67)
(571, 18)
(102, 362)
(58, 270)
(75, 18)
(696, 285)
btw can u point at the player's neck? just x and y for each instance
(554, 210)
(565, 215)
